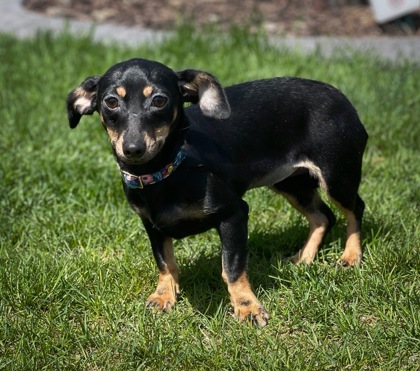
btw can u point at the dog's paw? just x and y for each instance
(251, 311)
(161, 303)
(350, 260)
(302, 258)
(166, 293)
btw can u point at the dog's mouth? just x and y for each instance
(132, 161)
(138, 157)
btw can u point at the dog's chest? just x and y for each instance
(190, 201)
(179, 220)
(172, 214)
(176, 210)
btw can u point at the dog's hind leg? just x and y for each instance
(353, 210)
(301, 192)
(342, 183)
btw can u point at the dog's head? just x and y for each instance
(140, 103)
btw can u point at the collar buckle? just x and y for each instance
(132, 181)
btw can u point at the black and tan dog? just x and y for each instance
(185, 170)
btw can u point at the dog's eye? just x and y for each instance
(112, 102)
(158, 101)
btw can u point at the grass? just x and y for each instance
(76, 267)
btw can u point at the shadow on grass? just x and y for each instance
(201, 280)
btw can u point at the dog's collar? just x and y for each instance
(139, 181)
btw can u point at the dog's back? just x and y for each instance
(288, 121)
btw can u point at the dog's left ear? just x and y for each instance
(203, 88)
(82, 100)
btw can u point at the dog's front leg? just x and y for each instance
(234, 234)
(164, 297)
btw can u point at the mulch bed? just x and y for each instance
(277, 17)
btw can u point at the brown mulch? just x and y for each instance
(277, 17)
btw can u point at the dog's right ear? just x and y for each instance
(82, 100)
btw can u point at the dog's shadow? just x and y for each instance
(201, 280)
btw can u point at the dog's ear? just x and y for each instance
(82, 100)
(203, 88)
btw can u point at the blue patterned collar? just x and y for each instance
(138, 182)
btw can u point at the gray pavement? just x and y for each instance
(17, 20)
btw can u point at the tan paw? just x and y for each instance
(253, 311)
(300, 258)
(161, 303)
(348, 260)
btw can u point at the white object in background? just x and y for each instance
(387, 10)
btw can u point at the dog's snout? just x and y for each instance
(133, 149)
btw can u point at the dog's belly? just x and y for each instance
(272, 177)
(179, 213)
(185, 228)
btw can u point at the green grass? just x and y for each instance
(75, 263)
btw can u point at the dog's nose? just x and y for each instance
(132, 150)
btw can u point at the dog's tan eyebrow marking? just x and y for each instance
(147, 91)
(121, 91)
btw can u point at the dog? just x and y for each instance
(185, 169)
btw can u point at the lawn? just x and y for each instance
(75, 263)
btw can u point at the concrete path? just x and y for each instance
(396, 49)
(17, 20)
